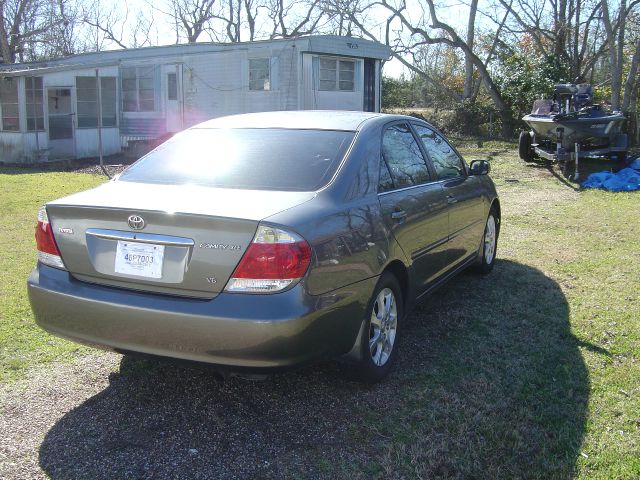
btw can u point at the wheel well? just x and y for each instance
(399, 271)
(496, 206)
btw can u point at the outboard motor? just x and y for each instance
(583, 97)
(563, 94)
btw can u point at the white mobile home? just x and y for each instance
(66, 108)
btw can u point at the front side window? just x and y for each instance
(87, 98)
(9, 104)
(446, 161)
(259, 74)
(402, 156)
(138, 89)
(35, 104)
(337, 75)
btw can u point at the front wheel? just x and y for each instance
(489, 243)
(525, 150)
(379, 342)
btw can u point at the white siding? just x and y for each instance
(11, 147)
(217, 84)
(31, 146)
(87, 142)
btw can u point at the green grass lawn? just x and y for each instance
(22, 192)
(530, 372)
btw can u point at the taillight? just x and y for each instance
(274, 260)
(48, 252)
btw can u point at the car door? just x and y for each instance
(413, 205)
(462, 192)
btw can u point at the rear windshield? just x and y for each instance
(255, 158)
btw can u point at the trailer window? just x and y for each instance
(35, 104)
(259, 74)
(172, 86)
(138, 89)
(87, 99)
(337, 74)
(9, 104)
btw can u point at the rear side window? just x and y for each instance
(403, 159)
(445, 160)
(253, 159)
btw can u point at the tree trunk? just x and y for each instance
(468, 62)
(616, 70)
(577, 60)
(622, 21)
(560, 28)
(8, 55)
(632, 78)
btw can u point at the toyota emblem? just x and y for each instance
(136, 222)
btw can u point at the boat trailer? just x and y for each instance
(556, 153)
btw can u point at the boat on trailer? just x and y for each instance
(569, 127)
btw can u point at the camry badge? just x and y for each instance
(136, 222)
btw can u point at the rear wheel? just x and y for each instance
(379, 342)
(524, 147)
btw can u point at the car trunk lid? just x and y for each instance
(174, 239)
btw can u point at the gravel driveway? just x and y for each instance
(108, 416)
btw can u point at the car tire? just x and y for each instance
(524, 147)
(379, 343)
(489, 243)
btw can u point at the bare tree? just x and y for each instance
(24, 25)
(114, 26)
(66, 37)
(431, 30)
(192, 17)
(340, 16)
(293, 18)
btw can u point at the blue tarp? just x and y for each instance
(626, 180)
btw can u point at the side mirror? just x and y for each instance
(479, 167)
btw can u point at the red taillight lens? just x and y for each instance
(48, 252)
(273, 261)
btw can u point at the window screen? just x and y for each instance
(9, 104)
(259, 74)
(35, 104)
(337, 74)
(138, 89)
(109, 101)
(445, 160)
(402, 155)
(263, 159)
(87, 99)
(172, 86)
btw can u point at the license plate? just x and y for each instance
(140, 259)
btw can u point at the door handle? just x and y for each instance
(398, 214)
(451, 199)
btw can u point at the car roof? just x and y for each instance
(306, 120)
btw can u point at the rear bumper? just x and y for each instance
(233, 330)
